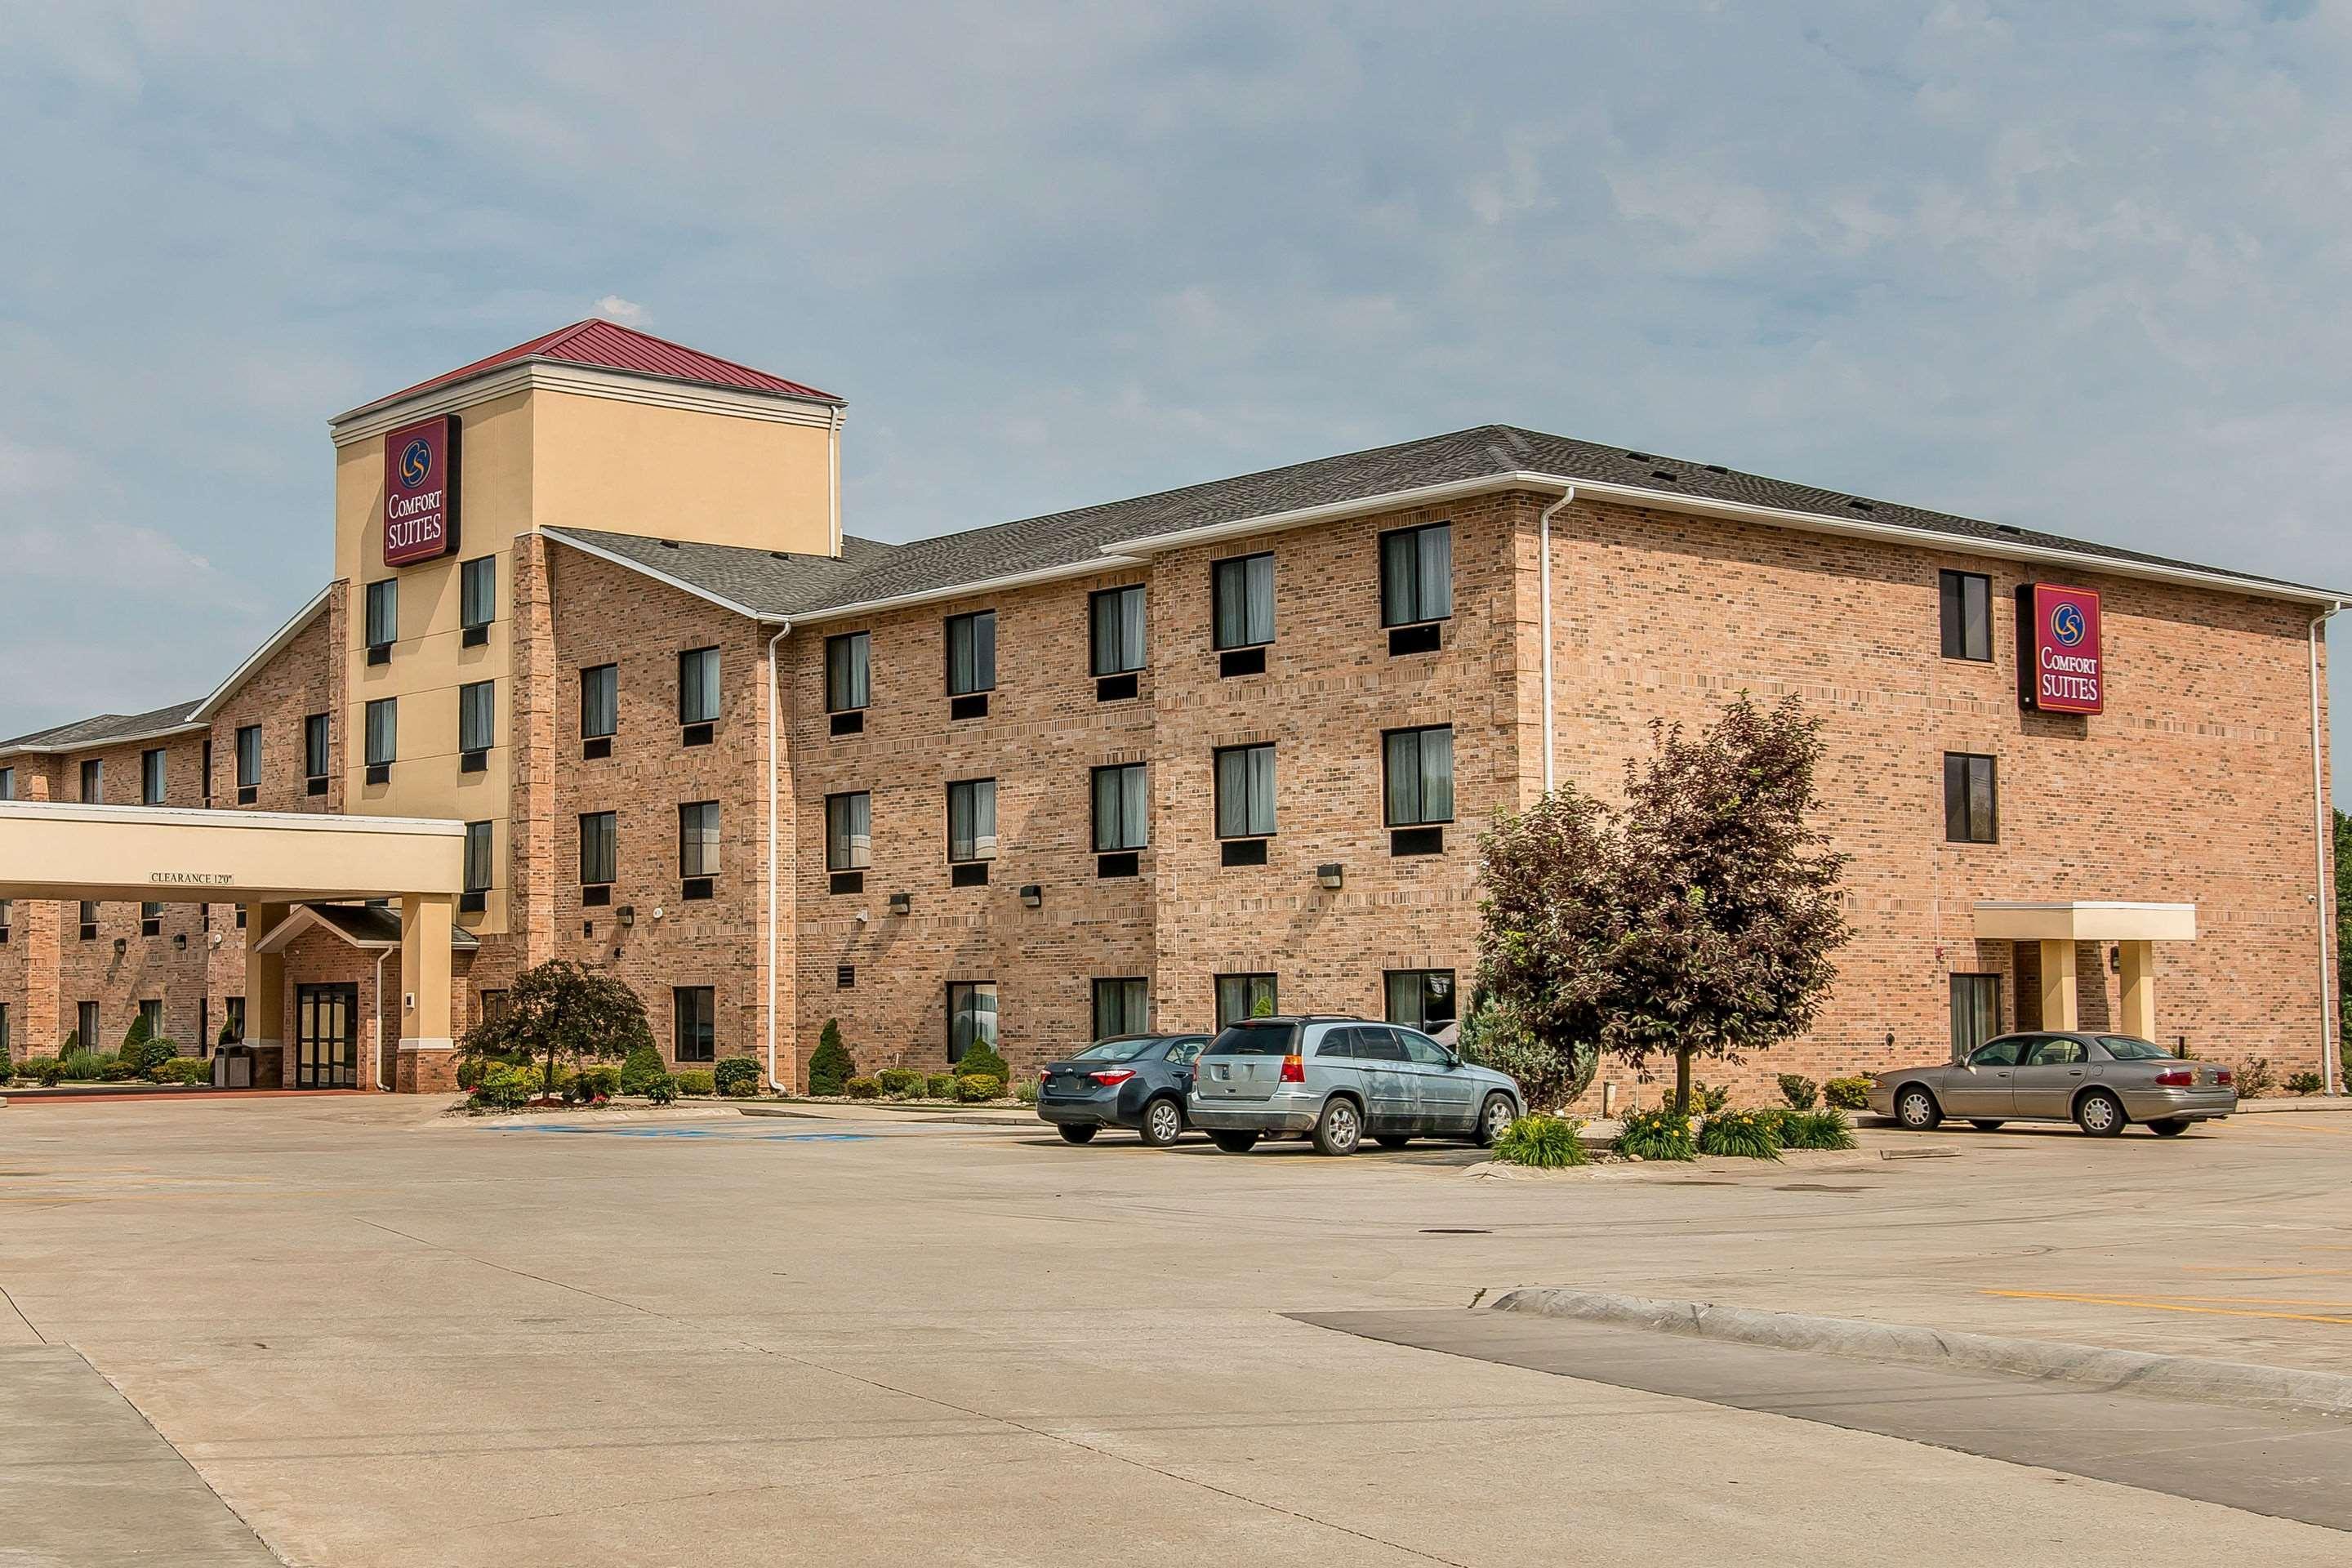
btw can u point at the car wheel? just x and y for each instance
(2100, 1114)
(1235, 1142)
(1078, 1131)
(1340, 1127)
(2170, 1126)
(1495, 1119)
(1393, 1139)
(1917, 1109)
(1164, 1122)
(1985, 1124)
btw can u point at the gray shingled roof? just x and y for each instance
(106, 727)
(366, 925)
(870, 570)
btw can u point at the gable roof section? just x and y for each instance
(105, 730)
(607, 345)
(1489, 456)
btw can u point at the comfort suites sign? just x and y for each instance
(420, 491)
(2060, 669)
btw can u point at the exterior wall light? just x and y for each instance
(1328, 875)
(1033, 895)
(121, 946)
(626, 914)
(180, 939)
(902, 903)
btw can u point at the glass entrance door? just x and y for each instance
(326, 1036)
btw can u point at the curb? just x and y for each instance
(2110, 1371)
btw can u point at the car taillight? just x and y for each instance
(1115, 1075)
(2223, 1075)
(1045, 1075)
(2176, 1077)
(1294, 1069)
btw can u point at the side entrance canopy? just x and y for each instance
(266, 861)
(2134, 928)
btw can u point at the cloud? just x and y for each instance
(628, 313)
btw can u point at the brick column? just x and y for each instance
(531, 815)
(2058, 986)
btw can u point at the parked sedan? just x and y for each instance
(2102, 1083)
(1130, 1080)
(1343, 1080)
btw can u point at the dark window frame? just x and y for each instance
(695, 1006)
(852, 859)
(956, 1052)
(1420, 781)
(853, 668)
(970, 622)
(380, 612)
(480, 857)
(1956, 988)
(1217, 792)
(471, 694)
(1141, 830)
(154, 776)
(318, 745)
(1390, 613)
(689, 696)
(993, 846)
(1247, 980)
(601, 829)
(93, 780)
(611, 693)
(1115, 600)
(1238, 569)
(697, 867)
(471, 573)
(1421, 978)
(1141, 1020)
(1960, 825)
(389, 708)
(1952, 589)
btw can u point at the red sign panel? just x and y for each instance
(2060, 669)
(420, 491)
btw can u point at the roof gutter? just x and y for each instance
(101, 743)
(1110, 560)
(775, 698)
(2331, 1066)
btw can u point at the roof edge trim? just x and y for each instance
(680, 584)
(284, 635)
(1092, 566)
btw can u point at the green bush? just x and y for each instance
(1660, 1134)
(2304, 1083)
(227, 1036)
(940, 1086)
(504, 1088)
(82, 1067)
(43, 1070)
(900, 1082)
(1816, 1130)
(1026, 1091)
(738, 1078)
(975, 1086)
(145, 1051)
(830, 1067)
(590, 1084)
(1546, 1143)
(862, 1087)
(1801, 1092)
(1741, 1133)
(1847, 1093)
(643, 1065)
(181, 1069)
(697, 1082)
(661, 1088)
(980, 1060)
(70, 1044)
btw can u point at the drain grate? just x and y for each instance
(1453, 1230)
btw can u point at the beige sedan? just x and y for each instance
(2102, 1083)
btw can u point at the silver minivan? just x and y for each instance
(1343, 1080)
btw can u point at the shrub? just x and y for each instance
(590, 1084)
(1741, 1133)
(830, 1067)
(975, 1086)
(1495, 1035)
(738, 1078)
(505, 1087)
(227, 1035)
(2257, 1077)
(940, 1086)
(70, 1044)
(1847, 1093)
(43, 1070)
(900, 1081)
(696, 1082)
(1801, 1092)
(469, 1071)
(2304, 1083)
(144, 1051)
(661, 1088)
(980, 1060)
(181, 1069)
(862, 1087)
(83, 1067)
(1814, 1129)
(117, 1070)
(1026, 1091)
(1546, 1143)
(643, 1065)
(1660, 1134)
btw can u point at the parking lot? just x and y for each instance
(383, 1336)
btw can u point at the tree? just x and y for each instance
(557, 1009)
(2343, 934)
(1731, 895)
(830, 1068)
(1550, 925)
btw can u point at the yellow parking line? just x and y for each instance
(2292, 1124)
(2168, 1306)
(2260, 1268)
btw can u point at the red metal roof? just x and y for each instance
(608, 345)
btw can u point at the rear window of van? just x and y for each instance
(1257, 1039)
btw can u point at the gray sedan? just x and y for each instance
(2102, 1083)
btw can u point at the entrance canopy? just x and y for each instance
(170, 854)
(2134, 928)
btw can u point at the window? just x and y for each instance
(1242, 589)
(8, 909)
(1241, 996)
(249, 756)
(494, 1006)
(7, 783)
(383, 732)
(1999, 1053)
(151, 777)
(972, 1016)
(93, 783)
(314, 746)
(600, 700)
(151, 918)
(697, 686)
(1121, 815)
(1417, 574)
(848, 672)
(1976, 1012)
(150, 1013)
(1972, 804)
(972, 653)
(233, 1016)
(5, 1054)
(600, 848)
(86, 1024)
(1966, 603)
(848, 832)
(1246, 792)
(1115, 619)
(694, 1024)
(478, 857)
(383, 613)
(698, 838)
(478, 703)
(88, 920)
(1424, 998)
(1418, 766)
(1119, 1008)
(972, 820)
(477, 592)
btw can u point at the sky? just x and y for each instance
(2078, 266)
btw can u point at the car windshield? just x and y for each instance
(1259, 1037)
(1114, 1051)
(2127, 1048)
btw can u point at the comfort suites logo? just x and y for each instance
(415, 463)
(2067, 624)
(420, 491)
(2060, 667)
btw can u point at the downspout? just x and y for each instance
(1543, 538)
(2331, 1069)
(376, 1045)
(775, 694)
